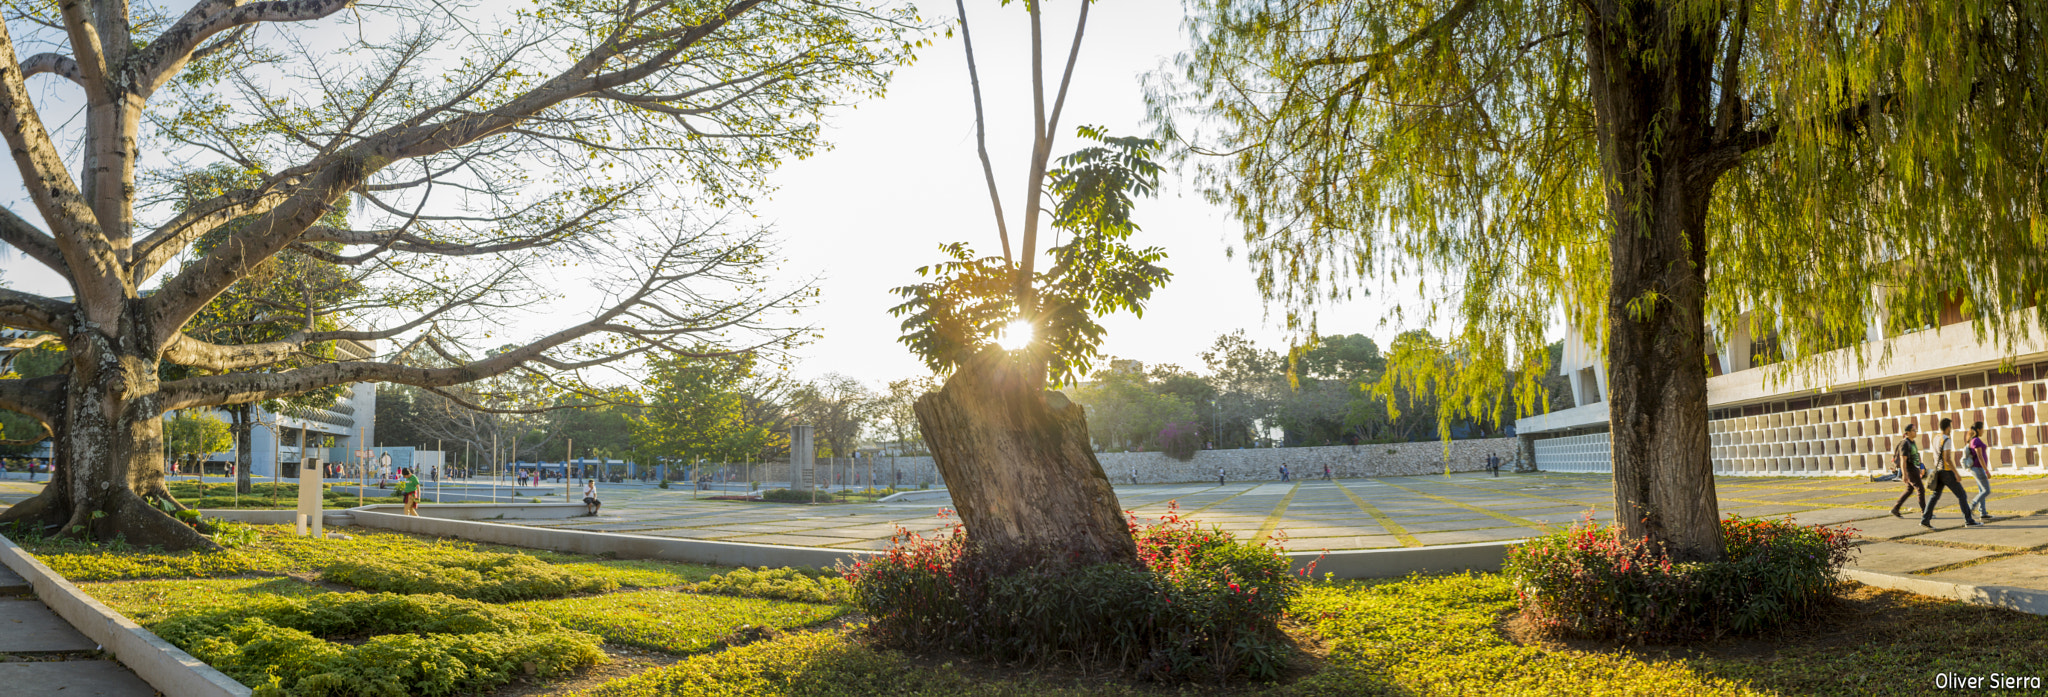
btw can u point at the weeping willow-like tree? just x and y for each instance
(1646, 166)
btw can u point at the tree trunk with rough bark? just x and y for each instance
(1017, 460)
(1657, 147)
(109, 481)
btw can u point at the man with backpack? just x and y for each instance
(1906, 459)
(1945, 478)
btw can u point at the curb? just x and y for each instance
(922, 494)
(2027, 600)
(165, 667)
(623, 545)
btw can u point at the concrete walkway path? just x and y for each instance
(41, 654)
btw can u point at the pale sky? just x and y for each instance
(903, 178)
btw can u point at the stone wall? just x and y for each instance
(1261, 464)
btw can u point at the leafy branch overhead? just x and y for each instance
(969, 301)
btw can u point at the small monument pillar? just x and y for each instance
(311, 497)
(802, 458)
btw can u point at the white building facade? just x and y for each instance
(1835, 414)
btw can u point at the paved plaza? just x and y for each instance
(1417, 511)
(1381, 512)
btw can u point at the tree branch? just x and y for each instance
(56, 64)
(988, 170)
(40, 398)
(19, 234)
(181, 43)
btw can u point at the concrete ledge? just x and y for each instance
(482, 511)
(619, 544)
(165, 667)
(330, 517)
(2027, 600)
(1402, 561)
(922, 495)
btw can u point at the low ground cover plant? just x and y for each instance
(478, 576)
(1199, 606)
(399, 644)
(1589, 582)
(672, 622)
(777, 584)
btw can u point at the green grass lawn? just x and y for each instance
(1443, 636)
(1446, 635)
(675, 622)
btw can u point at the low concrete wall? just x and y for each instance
(2027, 600)
(619, 544)
(483, 511)
(330, 518)
(917, 496)
(1402, 561)
(165, 667)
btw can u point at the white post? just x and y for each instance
(311, 501)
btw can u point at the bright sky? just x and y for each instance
(904, 178)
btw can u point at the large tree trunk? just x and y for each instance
(109, 453)
(1017, 461)
(1650, 87)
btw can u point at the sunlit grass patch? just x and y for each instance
(148, 602)
(679, 623)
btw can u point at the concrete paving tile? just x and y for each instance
(1311, 544)
(689, 533)
(1837, 516)
(25, 625)
(1903, 558)
(1755, 510)
(1487, 535)
(2025, 571)
(81, 678)
(2030, 503)
(1447, 525)
(791, 540)
(1889, 528)
(2011, 533)
(1306, 531)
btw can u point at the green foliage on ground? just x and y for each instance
(277, 550)
(823, 665)
(486, 577)
(149, 602)
(777, 584)
(412, 644)
(678, 623)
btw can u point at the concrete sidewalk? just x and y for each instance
(41, 654)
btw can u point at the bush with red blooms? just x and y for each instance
(1199, 606)
(1589, 582)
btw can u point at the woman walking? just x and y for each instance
(1906, 457)
(409, 492)
(1977, 457)
(1945, 479)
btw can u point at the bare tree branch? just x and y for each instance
(181, 43)
(56, 64)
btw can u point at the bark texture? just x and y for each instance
(1017, 460)
(1658, 148)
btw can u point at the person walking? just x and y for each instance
(1977, 457)
(409, 492)
(1326, 472)
(590, 496)
(1906, 458)
(1283, 473)
(1219, 475)
(1945, 478)
(1493, 463)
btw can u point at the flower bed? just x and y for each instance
(1589, 582)
(1200, 605)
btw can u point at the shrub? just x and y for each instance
(1199, 605)
(787, 496)
(415, 645)
(487, 577)
(1180, 441)
(1588, 582)
(663, 484)
(776, 584)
